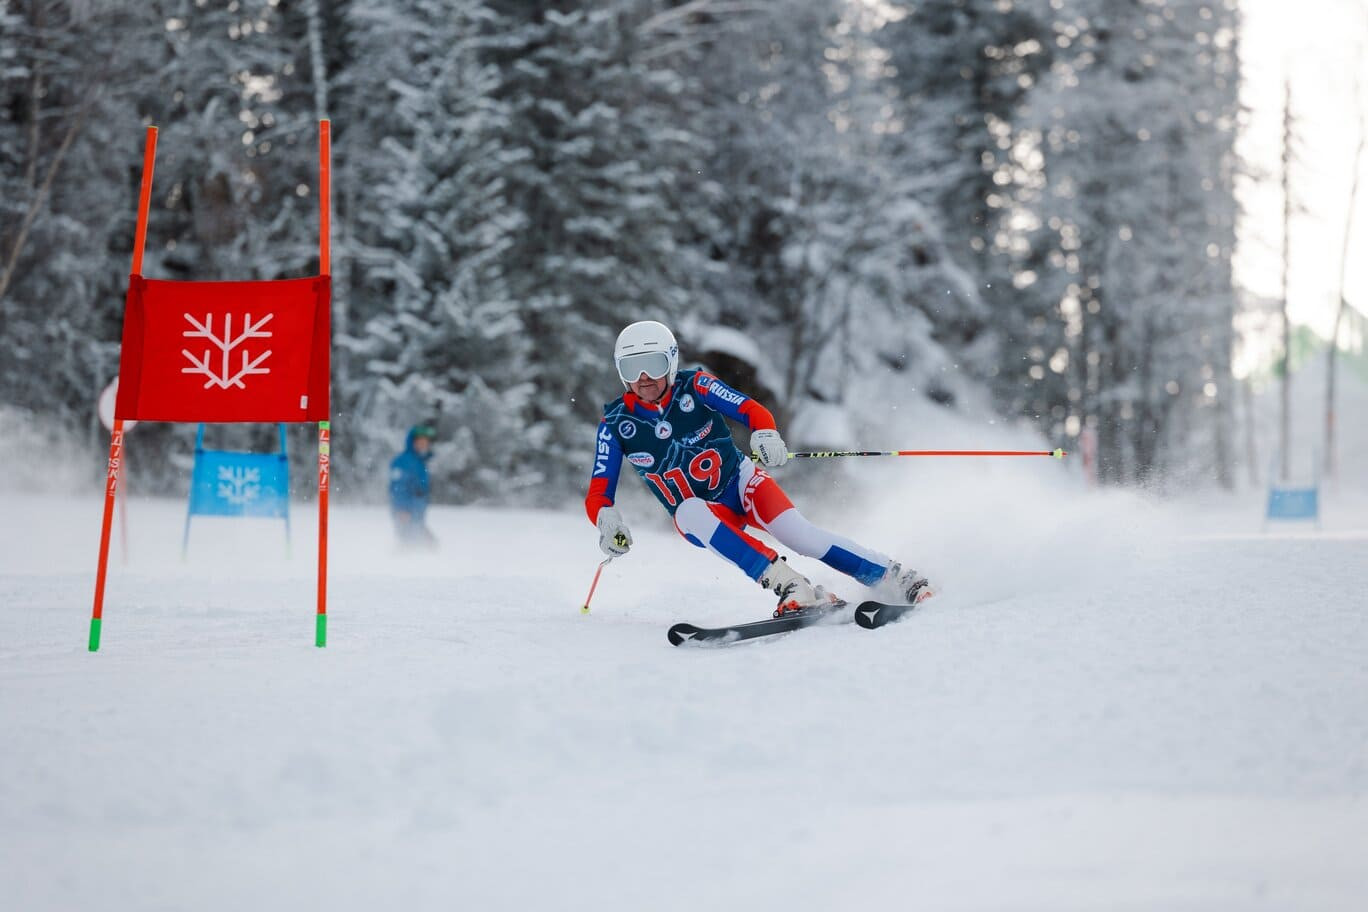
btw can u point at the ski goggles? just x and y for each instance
(653, 364)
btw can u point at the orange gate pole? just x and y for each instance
(324, 427)
(116, 434)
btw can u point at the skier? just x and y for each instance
(670, 425)
(408, 489)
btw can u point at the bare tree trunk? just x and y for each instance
(1225, 402)
(1144, 430)
(1251, 452)
(1285, 415)
(1331, 463)
(41, 195)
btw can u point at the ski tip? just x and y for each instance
(869, 615)
(682, 633)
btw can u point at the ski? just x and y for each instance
(680, 634)
(871, 615)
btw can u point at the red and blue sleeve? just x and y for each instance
(736, 406)
(607, 465)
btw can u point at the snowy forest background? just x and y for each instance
(839, 205)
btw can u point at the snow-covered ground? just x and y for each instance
(1113, 704)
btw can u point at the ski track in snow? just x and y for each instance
(1111, 704)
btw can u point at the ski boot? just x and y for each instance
(908, 585)
(795, 591)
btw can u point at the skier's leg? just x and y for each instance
(713, 526)
(721, 530)
(767, 506)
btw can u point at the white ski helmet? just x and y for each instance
(646, 348)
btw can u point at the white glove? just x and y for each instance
(771, 447)
(614, 538)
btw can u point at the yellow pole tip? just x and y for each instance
(1059, 453)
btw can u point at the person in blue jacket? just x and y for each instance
(408, 488)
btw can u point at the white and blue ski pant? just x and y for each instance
(754, 498)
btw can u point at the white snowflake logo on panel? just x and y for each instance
(239, 486)
(223, 375)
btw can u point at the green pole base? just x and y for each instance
(95, 633)
(321, 631)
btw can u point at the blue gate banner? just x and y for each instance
(227, 483)
(233, 483)
(1293, 503)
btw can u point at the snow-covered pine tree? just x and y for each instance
(237, 159)
(814, 173)
(235, 195)
(961, 68)
(66, 208)
(1123, 164)
(599, 163)
(834, 263)
(441, 337)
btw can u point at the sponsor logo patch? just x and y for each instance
(686, 403)
(752, 486)
(663, 430)
(699, 435)
(605, 437)
(627, 429)
(719, 391)
(645, 460)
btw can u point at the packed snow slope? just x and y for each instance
(1112, 704)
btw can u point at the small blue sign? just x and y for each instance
(233, 483)
(1293, 503)
(228, 483)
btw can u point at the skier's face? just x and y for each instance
(649, 389)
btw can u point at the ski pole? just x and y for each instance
(1056, 453)
(584, 609)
